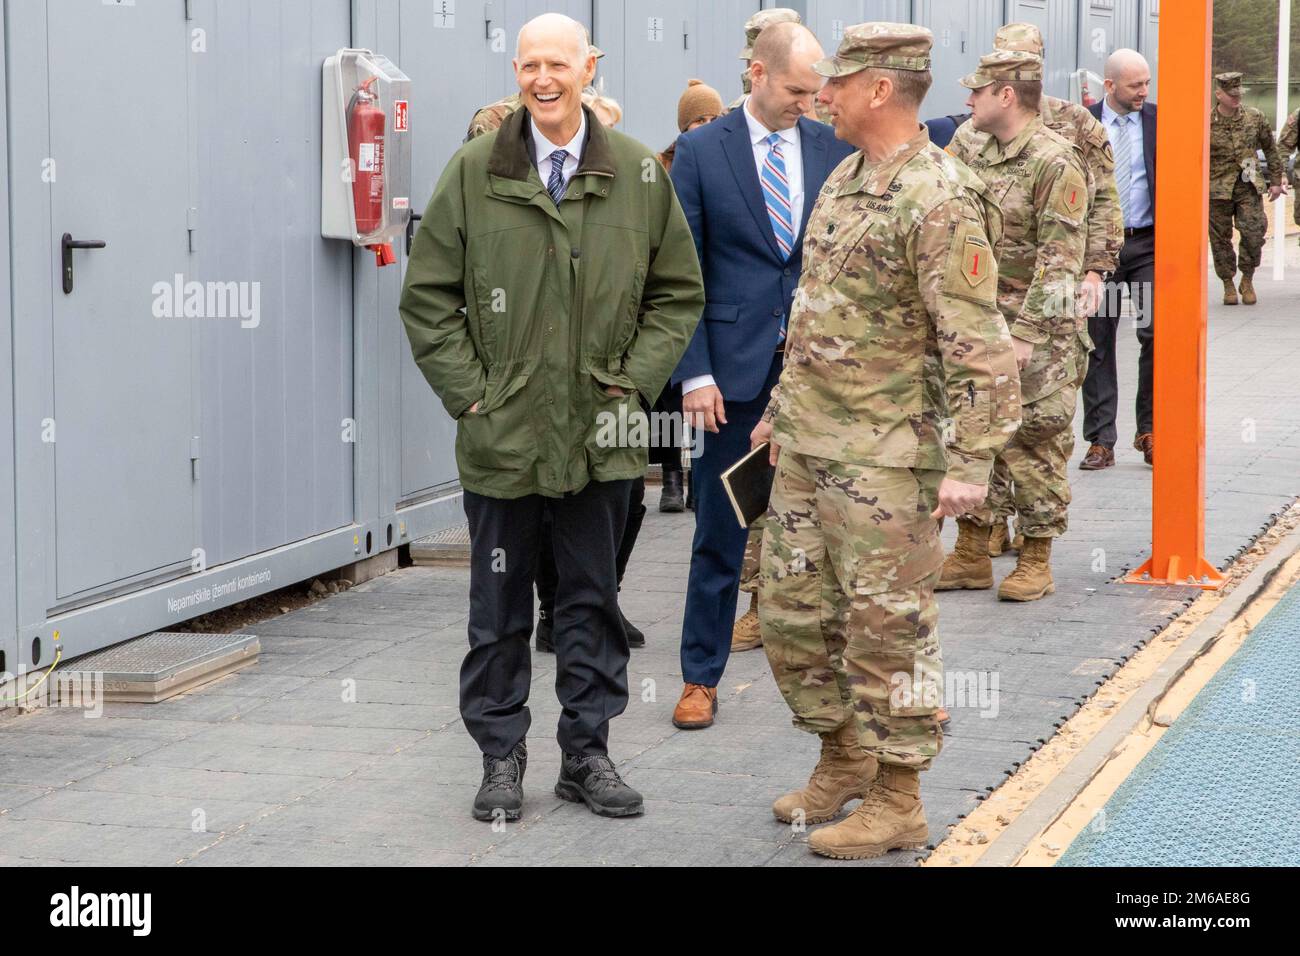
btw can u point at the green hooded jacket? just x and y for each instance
(532, 310)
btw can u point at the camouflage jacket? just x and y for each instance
(1076, 125)
(1039, 184)
(1289, 139)
(897, 355)
(1233, 142)
(492, 116)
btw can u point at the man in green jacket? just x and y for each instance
(553, 280)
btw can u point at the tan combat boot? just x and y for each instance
(890, 817)
(1229, 292)
(1248, 290)
(1032, 578)
(969, 566)
(843, 773)
(1000, 540)
(746, 636)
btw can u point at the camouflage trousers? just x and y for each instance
(850, 558)
(1031, 475)
(1246, 208)
(753, 549)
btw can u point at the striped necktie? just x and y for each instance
(776, 194)
(1123, 164)
(555, 185)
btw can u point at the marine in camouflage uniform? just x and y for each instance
(1039, 181)
(1105, 217)
(1287, 142)
(898, 294)
(1237, 185)
(491, 117)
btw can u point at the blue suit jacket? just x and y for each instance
(747, 284)
(1148, 143)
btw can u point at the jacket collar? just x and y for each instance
(512, 153)
(997, 153)
(875, 178)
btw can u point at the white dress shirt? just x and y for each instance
(1136, 206)
(545, 147)
(792, 155)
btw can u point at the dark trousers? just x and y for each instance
(1137, 272)
(590, 647)
(548, 577)
(719, 545)
(666, 449)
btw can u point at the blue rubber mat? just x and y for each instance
(1222, 786)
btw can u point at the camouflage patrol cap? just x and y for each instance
(1004, 65)
(1024, 37)
(1230, 83)
(893, 46)
(761, 21)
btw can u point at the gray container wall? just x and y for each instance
(275, 466)
(195, 453)
(9, 654)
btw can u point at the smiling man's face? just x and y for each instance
(552, 71)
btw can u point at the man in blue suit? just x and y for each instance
(1130, 122)
(747, 183)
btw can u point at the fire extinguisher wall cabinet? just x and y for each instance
(366, 151)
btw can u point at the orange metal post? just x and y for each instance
(1182, 227)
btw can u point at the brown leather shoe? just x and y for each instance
(1098, 457)
(1146, 443)
(696, 708)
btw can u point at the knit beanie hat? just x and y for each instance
(699, 100)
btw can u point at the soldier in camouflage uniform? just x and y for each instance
(1288, 140)
(753, 27)
(898, 295)
(1236, 184)
(1039, 181)
(1105, 222)
(493, 115)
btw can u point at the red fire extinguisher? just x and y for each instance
(366, 147)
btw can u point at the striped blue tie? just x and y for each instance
(555, 185)
(776, 193)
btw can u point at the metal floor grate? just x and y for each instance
(166, 663)
(450, 546)
(1222, 786)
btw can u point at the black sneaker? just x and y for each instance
(592, 780)
(545, 639)
(634, 636)
(501, 794)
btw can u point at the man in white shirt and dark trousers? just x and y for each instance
(746, 183)
(1130, 123)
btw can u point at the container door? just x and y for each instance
(123, 481)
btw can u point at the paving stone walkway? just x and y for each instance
(274, 766)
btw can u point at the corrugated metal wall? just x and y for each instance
(191, 453)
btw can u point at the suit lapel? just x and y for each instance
(815, 153)
(1149, 151)
(740, 154)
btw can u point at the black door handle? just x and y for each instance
(410, 229)
(68, 245)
